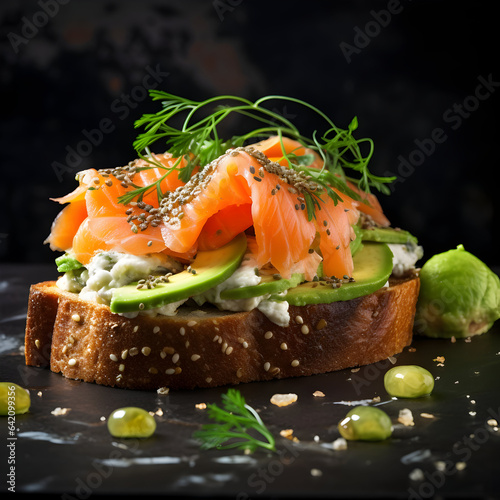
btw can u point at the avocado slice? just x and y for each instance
(357, 243)
(268, 284)
(372, 268)
(388, 235)
(210, 268)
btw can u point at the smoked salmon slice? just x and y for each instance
(248, 187)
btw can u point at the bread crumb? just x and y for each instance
(288, 433)
(76, 318)
(316, 473)
(39, 394)
(60, 411)
(406, 417)
(103, 419)
(492, 422)
(453, 339)
(201, 406)
(440, 465)
(355, 370)
(339, 444)
(427, 415)
(392, 360)
(376, 399)
(468, 339)
(440, 360)
(163, 390)
(416, 475)
(318, 394)
(283, 399)
(460, 465)
(412, 349)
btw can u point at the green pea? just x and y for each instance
(366, 423)
(131, 422)
(408, 381)
(13, 399)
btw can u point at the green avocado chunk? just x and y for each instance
(207, 270)
(387, 235)
(268, 284)
(67, 263)
(459, 296)
(372, 268)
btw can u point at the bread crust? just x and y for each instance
(208, 348)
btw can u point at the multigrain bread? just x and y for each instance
(206, 347)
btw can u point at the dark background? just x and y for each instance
(75, 69)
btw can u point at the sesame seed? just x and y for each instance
(208, 380)
(182, 330)
(119, 377)
(146, 351)
(267, 365)
(195, 357)
(178, 370)
(229, 350)
(64, 349)
(76, 318)
(295, 363)
(168, 350)
(245, 345)
(163, 355)
(136, 328)
(191, 323)
(156, 329)
(215, 339)
(268, 335)
(153, 370)
(175, 357)
(321, 324)
(133, 351)
(169, 371)
(72, 362)
(304, 329)
(283, 346)
(124, 354)
(113, 357)
(239, 372)
(187, 344)
(121, 367)
(299, 320)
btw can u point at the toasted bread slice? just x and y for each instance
(206, 347)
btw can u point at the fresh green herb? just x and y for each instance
(198, 137)
(235, 420)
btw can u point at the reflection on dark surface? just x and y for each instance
(73, 87)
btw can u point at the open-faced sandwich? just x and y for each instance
(264, 256)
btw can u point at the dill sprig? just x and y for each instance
(198, 137)
(235, 420)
